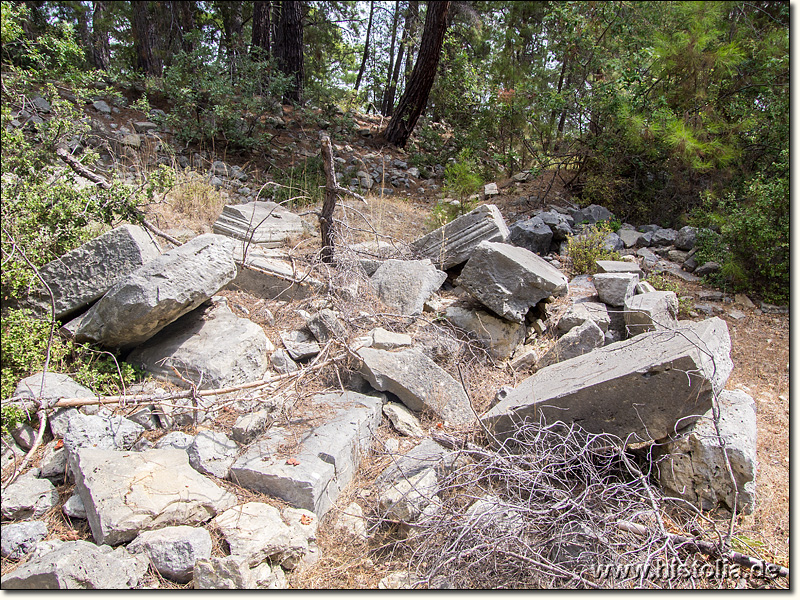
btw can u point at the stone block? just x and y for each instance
(264, 223)
(615, 288)
(405, 285)
(652, 311)
(501, 336)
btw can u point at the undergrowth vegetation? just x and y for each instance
(588, 247)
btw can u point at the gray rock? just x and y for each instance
(388, 340)
(326, 325)
(212, 453)
(222, 573)
(144, 126)
(490, 189)
(28, 498)
(532, 234)
(579, 312)
(664, 237)
(41, 105)
(686, 238)
(102, 107)
(128, 492)
(501, 336)
(615, 288)
(639, 389)
(324, 462)
(53, 464)
(264, 223)
(693, 466)
(83, 275)
(299, 344)
(613, 243)
(405, 285)
(618, 266)
(402, 420)
(209, 346)
(426, 455)
(160, 292)
(406, 499)
(577, 341)
(649, 258)
(645, 287)
(176, 440)
(510, 280)
(591, 214)
(74, 507)
(131, 140)
(10, 453)
(173, 551)
(282, 362)
(95, 431)
(653, 311)
(352, 523)
(78, 566)
(248, 427)
(631, 238)
(272, 276)
(677, 256)
(17, 539)
(454, 243)
(56, 386)
(420, 383)
(24, 435)
(707, 268)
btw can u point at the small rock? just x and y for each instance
(282, 362)
(250, 426)
(212, 453)
(402, 419)
(74, 507)
(173, 551)
(102, 107)
(17, 539)
(28, 498)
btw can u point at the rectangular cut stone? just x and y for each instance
(639, 389)
(83, 275)
(453, 243)
(264, 223)
(619, 266)
(272, 276)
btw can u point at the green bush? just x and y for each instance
(461, 180)
(587, 247)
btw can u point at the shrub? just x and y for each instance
(588, 246)
(461, 180)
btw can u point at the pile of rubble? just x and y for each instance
(623, 364)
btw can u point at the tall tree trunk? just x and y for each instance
(289, 49)
(413, 13)
(396, 76)
(231, 13)
(145, 38)
(262, 28)
(365, 56)
(415, 96)
(101, 50)
(81, 13)
(385, 100)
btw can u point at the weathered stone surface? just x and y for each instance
(153, 296)
(532, 234)
(592, 214)
(693, 466)
(642, 387)
(24, 435)
(352, 522)
(95, 431)
(77, 566)
(54, 461)
(83, 275)
(209, 346)
(222, 573)
(388, 340)
(249, 426)
(612, 242)
(325, 325)
(17, 539)
(175, 439)
(264, 223)
(407, 498)
(490, 189)
(426, 455)
(576, 315)
(405, 285)
(74, 507)
(299, 344)
(128, 492)
(501, 336)
(282, 362)
(577, 341)
(618, 266)
(28, 498)
(315, 471)
(645, 287)
(56, 386)
(664, 237)
(651, 312)
(271, 275)
(212, 453)
(510, 280)
(630, 237)
(420, 383)
(174, 550)
(649, 258)
(614, 288)
(454, 243)
(402, 419)
(707, 268)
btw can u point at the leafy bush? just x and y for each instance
(588, 246)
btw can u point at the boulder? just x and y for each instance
(405, 285)
(510, 280)
(612, 242)
(577, 341)
(560, 225)
(649, 258)
(175, 439)
(78, 566)
(282, 362)
(532, 234)
(56, 386)
(418, 382)
(264, 223)
(155, 295)
(652, 311)
(639, 389)
(249, 426)
(631, 238)
(592, 214)
(18, 539)
(53, 464)
(102, 432)
(222, 573)
(326, 325)
(212, 453)
(83, 275)
(502, 337)
(664, 237)
(126, 493)
(614, 288)
(74, 507)
(707, 268)
(692, 466)
(209, 346)
(454, 243)
(597, 312)
(686, 238)
(312, 474)
(618, 266)
(402, 420)
(173, 550)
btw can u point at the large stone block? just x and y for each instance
(532, 234)
(577, 341)
(128, 492)
(209, 345)
(615, 288)
(155, 295)
(454, 243)
(639, 389)
(83, 275)
(652, 311)
(693, 466)
(509, 280)
(420, 383)
(501, 336)
(405, 285)
(263, 223)
(271, 275)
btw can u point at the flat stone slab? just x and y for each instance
(405, 285)
(619, 266)
(652, 311)
(126, 493)
(155, 295)
(500, 335)
(509, 280)
(310, 475)
(265, 223)
(639, 389)
(454, 243)
(420, 383)
(271, 275)
(209, 345)
(693, 466)
(83, 275)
